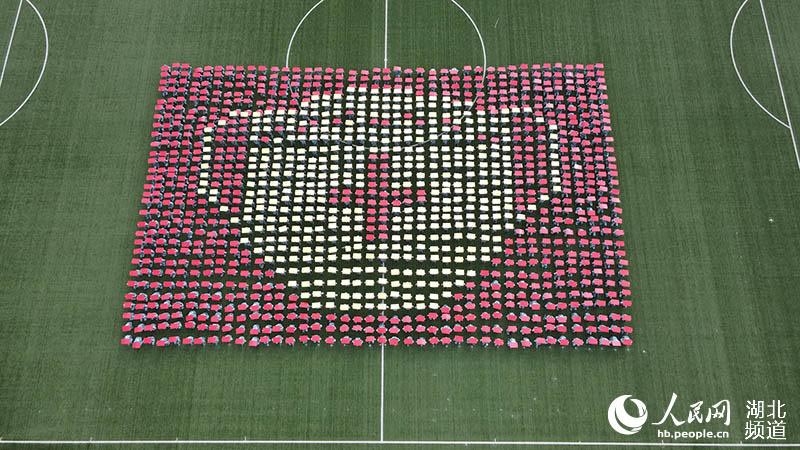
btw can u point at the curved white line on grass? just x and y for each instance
(480, 36)
(739, 75)
(44, 64)
(474, 25)
(483, 51)
(308, 13)
(780, 83)
(297, 28)
(10, 41)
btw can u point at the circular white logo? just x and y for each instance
(621, 421)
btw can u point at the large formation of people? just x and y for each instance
(287, 206)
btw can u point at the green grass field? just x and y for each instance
(710, 190)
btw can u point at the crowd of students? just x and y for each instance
(380, 207)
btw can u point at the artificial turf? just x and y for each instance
(710, 192)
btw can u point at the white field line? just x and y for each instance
(739, 75)
(44, 64)
(10, 40)
(382, 403)
(299, 24)
(485, 64)
(780, 84)
(404, 442)
(385, 34)
(480, 36)
(409, 442)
